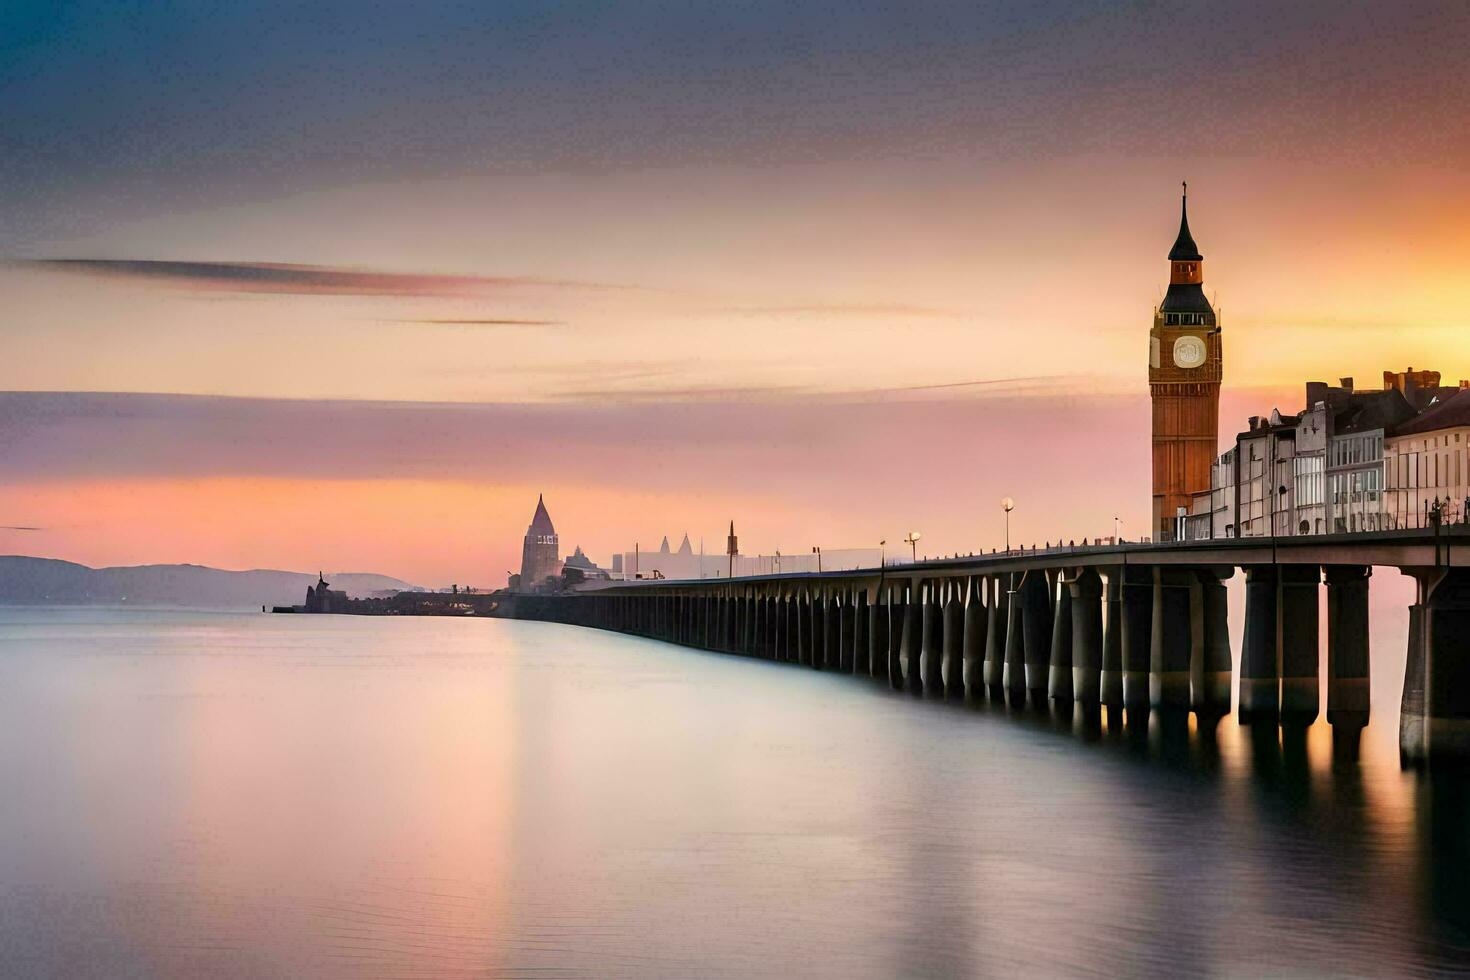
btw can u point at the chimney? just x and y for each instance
(1345, 383)
(1316, 392)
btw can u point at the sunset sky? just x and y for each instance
(346, 286)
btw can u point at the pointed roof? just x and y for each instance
(684, 548)
(1184, 250)
(542, 520)
(663, 549)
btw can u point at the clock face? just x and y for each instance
(1189, 352)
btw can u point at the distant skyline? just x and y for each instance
(643, 257)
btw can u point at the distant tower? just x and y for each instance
(732, 548)
(1184, 370)
(540, 554)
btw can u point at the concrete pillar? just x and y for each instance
(1015, 649)
(997, 588)
(972, 642)
(847, 628)
(911, 647)
(931, 664)
(1137, 617)
(952, 665)
(1434, 726)
(773, 623)
(1171, 642)
(1300, 644)
(861, 623)
(1209, 664)
(811, 630)
(1260, 678)
(1347, 645)
(1110, 688)
(878, 631)
(897, 620)
(1087, 636)
(1036, 639)
(833, 637)
(814, 623)
(783, 634)
(1059, 671)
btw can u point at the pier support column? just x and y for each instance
(847, 629)
(782, 619)
(997, 622)
(861, 622)
(911, 649)
(898, 616)
(1260, 680)
(1015, 663)
(952, 666)
(972, 641)
(1087, 636)
(818, 625)
(1300, 643)
(878, 631)
(1137, 634)
(1059, 671)
(1171, 643)
(1110, 689)
(1347, 645)
(832, 633)
(1036, 621)
(931, 666)
(1434, 726)
(1210, 664)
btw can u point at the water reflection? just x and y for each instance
(229, 795)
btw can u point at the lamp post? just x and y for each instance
(913, 542)
(778, 561)
(882, 561)
(1117, 529)
(1007, 505)
(817, 550)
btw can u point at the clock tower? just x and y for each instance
(1184, 370)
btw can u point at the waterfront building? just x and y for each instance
(1326, 469)
(681, 564)
(1425, 465)
(1264, 469)
(540, 551)
(1184, 372)
(590, 571)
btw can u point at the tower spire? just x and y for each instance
(1184, 250)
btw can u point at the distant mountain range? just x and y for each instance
(47, 580)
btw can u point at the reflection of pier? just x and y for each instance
(1139, 626)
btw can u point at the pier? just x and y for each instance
(1142, 627)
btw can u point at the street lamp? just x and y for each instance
(1117, 529)
(1007, 505)
(882, 561)
(778, 561)
(817, 550)
(913, 542)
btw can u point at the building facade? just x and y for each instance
(1426, 470)
(1184, 372)
(540, 551)
(1354, 460)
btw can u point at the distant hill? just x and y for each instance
(47, 580)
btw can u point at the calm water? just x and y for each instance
(191, 794)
